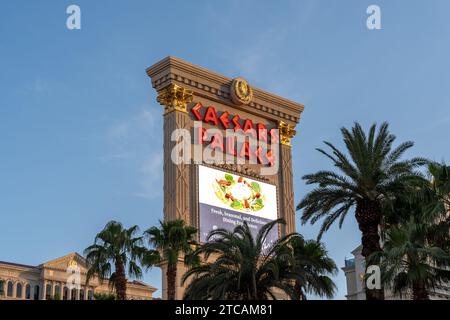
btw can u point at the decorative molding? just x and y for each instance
(224, 96)
(241, 92)
(240, 169)
(213, 86)
(287, 132)
(174, 98)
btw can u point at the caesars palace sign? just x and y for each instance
(227, 152)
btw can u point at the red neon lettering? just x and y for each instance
(237, 125)
(245, 151)
(217, 142)
(248, 126)
(211, 116)
(230, 146)
(224, 120)
(195, 110)
(201, 135)
(262, 131)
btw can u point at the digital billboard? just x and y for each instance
(226, 200)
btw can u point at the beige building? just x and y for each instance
(55, 280)
(354, 272)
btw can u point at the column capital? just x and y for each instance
(287, 132)
(174, 98)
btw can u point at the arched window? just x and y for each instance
(9, 292)
(36, 292)
(19, 290)
(74, 294)
(81, 294)
(65, 293)
(28, 291)
(48, 291)
(57, 295)
(2, 287)
(90, 295)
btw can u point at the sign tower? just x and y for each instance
(253, 181)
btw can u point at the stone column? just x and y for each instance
(287, 207)
(176, 183)
(61, 290)
(14, 293)
(176, 176)
(43, 290)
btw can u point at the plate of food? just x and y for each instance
(239, 193)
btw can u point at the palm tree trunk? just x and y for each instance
(419, 291)
(121, 280)
(255, 290)
(171, 275)
(368, 216)
(299, 290)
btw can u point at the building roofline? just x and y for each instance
(357, 249)
(18, 265)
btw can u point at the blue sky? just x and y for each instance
(81, 132)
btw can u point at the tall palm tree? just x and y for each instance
(237, 267)
(171, 240)
(311, 268)
(115, 252)
(370, 174)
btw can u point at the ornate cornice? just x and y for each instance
(213, 86)
(174, 98)
(287, 132)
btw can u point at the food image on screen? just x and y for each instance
(227, 200)
(239, 193)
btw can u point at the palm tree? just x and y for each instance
(311, 268)
(437, 192)
(439, 186)
(115, 251)
(171, 240)
(409, 261)
(416, 250)
(237, 266)
(373, 174)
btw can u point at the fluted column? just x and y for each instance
(287, 207)
(176, 176)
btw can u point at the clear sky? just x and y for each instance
(81, 132)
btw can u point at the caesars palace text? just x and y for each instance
(243, 138)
